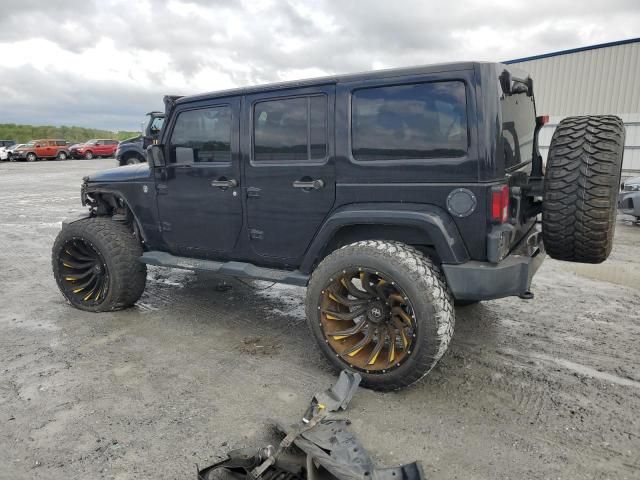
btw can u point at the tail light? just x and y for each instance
(500, 204)
(542, 120)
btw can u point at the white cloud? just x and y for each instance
(105, 63)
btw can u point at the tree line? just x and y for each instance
(25, 133)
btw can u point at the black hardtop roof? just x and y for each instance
(334, 79)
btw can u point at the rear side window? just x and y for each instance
(292, 129)
(202, 135)
(406, 122)
(518, 126)
(61, 143)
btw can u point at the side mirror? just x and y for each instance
(155, 155)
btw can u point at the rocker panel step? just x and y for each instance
(232, 269)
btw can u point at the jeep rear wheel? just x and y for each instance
(382, 309)
(31, 157)
(581, 188)
(96, 265)
(88, 155)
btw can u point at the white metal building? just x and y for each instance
(600, 79)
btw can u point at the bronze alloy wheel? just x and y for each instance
(367, 320)
(85, 276)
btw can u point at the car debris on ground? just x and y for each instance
(316, 447)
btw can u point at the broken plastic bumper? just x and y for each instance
(511, 276)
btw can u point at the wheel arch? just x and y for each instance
(426, 227)
(114, 204)
(122, 160)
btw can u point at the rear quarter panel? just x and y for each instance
(425, 181)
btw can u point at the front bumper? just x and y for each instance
(18, 155)
(511, 276)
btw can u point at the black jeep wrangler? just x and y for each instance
(391, 195)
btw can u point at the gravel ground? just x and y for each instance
(548, 388)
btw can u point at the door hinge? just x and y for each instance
(165, 227)
(256, 234)
(253, 192)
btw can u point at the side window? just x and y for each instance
(405, 122)
(51, 143)
(61, 143)
(292, 129)
(202, 135)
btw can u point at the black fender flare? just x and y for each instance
(128, 149)
(436, 224)
(115, 193)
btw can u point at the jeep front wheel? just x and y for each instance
(581, 187)
(382, 309)
(96, 265)
(88, 155)
(62, 155)
(31, 157)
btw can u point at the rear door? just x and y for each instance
(198, 190)
(98, 149)
(289, 172)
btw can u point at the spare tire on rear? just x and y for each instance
(581, 186)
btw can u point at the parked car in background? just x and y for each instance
(42, 149)
(5, 152)
(629, 200)
(94, 148)
(133, 150)
(7, 143)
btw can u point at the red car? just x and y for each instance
(95, 148)
(42, 149)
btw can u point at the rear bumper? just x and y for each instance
(512, 276)
(629, 203)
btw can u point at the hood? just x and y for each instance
(120, 174)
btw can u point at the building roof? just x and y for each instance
(574, 50)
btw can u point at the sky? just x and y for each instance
(105, 63)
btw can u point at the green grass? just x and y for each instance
(24, 133)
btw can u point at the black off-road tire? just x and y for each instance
(425, 286)
(120, 251)
(581, 186)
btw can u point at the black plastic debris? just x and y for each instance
(317, 448)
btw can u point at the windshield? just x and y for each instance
(156, 125)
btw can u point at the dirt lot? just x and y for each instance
(548, 388)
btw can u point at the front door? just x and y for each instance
(289, 175)
(199, 203)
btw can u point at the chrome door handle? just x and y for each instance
(224, 183)
(310, 185)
